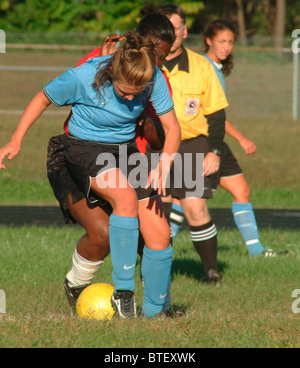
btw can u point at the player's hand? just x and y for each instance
(157, 178)
(248, 146)
(109, 44)
(11, 150)
(211, 163)
(140, 120)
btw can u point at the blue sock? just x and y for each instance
(245, 221)
(176, 219)
(123, 236)
(156, 268)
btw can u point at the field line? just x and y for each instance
(35, 68)
(20, 112)
(49, 318)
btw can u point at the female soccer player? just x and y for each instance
(93, 247)
(107, 95)
(219, 39)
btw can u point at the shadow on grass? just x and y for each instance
(193, 268)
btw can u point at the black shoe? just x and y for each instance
(73, 294)
(124, 304)
(214, 277)
(271, 253)
(173, 313)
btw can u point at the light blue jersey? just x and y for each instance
(218, 71)
(104, 118)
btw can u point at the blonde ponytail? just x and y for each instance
(132, 63)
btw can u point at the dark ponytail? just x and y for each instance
(155, 25)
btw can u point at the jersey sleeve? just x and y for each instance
(65, 89)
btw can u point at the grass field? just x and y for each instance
(253, 308)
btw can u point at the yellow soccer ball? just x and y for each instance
(94, 302)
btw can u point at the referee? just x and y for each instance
(199, 103)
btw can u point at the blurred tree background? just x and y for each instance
(272, 18)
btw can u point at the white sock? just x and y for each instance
(82, 271)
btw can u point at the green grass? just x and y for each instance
(251, 309)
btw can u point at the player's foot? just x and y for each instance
(214, 277)
(124, 304)
(269, 253)
(73, 294)
(173, 313)
(163, 315)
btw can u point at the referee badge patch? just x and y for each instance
(191, 106)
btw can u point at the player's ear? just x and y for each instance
(208, 41)
(185, 32)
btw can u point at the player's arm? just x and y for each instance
(247, 145)
(172, 133)
(216, 132)
(34, 109)
(214, 104)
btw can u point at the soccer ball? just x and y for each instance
(94, 302)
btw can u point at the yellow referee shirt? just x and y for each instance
(196, 92)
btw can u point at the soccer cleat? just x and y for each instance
(270, 253)
(173, 313)
(73, 294)
(214, 277)
(163, 315)
(124, 304)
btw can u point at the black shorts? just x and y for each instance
(87, 160)
(61, 181)
(228, 166)
(192, 184)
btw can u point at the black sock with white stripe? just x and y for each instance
(176, 219)
(205, 241)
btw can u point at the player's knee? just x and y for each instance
(99, 236)
(159, 238)
(197, 215)
(127, 204)
(242, 195)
